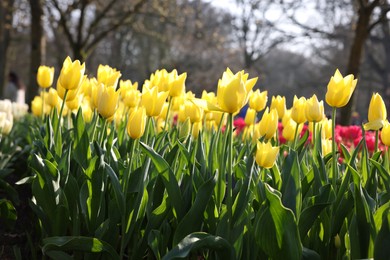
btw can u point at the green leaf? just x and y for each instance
(193, 220)
(169, 180)
(291, 185)
(80, 244)
(201, 241)
(311, 213)
(382, 242)
(276, 229)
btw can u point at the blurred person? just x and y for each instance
(14, 89)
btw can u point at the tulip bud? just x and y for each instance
(385, 133)
(250, 116)
(298, 110)
(193, 112)
(377, 113)
(72, 74)
(314, 109)
(268, 123)
(339, 90)
(266, 154)
(176, 83)
(258, 100)
(326, 146)
(196, 128)
(108, 76)
(279, 103)
(52, 98)
(107, 102)
(45, 76)
(153, 101)
(136, 123)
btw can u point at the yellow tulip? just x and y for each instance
(176, 83)
(96, 88)
(73, 104)
(233, 90)
(36, 106)
(153, 101)
(339, 90)
(326, 146)
(107, 102)
(314, 109)
(250, 116)
(326, 128)
(87, 111)
(86, 88)
(266, 154)
(268, 124)
(45, 76)
(289, 129)
(279, 103)
(132, 98)
(136, 123)
(193, 112)
(258, 100)
(385, 133)
(71, 75)
(108, 76)
(72, 94)
(377, 113)
(298, 110)
(52, 98)
(196, 128)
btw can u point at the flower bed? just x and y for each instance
(123, 174)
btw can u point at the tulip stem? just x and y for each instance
(334, 159)
(60, 115)
(313, 138)
(296, 136)
(167, 115)
(103, 131)
(43, 104)
(376, 140)
(230, 174)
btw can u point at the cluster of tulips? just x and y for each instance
(165, 99)
(10, 111)
(160, 171)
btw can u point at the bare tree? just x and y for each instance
(85, 23)
(37, 43)
(6, 11)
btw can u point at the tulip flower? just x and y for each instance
(153, 101)
(258, 100)
(193, 112)
(108, 76)
(107, 102)
(71, 75)
(52, 98)
(196, 128)
(233, 90)
(45, 76)
(314, 109)
(72, 94)
(289, 128)
(298, 111)
(268, 124)
(36, 106)
(250, 116)
(136, 123)
(326, 146)
(385, 133)
(266, 154)
(279, 103)
(6, 123)
(377, 113)
(176, 83)
(340, 89)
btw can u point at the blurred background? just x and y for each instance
(293, 46)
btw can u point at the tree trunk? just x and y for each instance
(355, 57)
(37, 42)
(6, 13)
